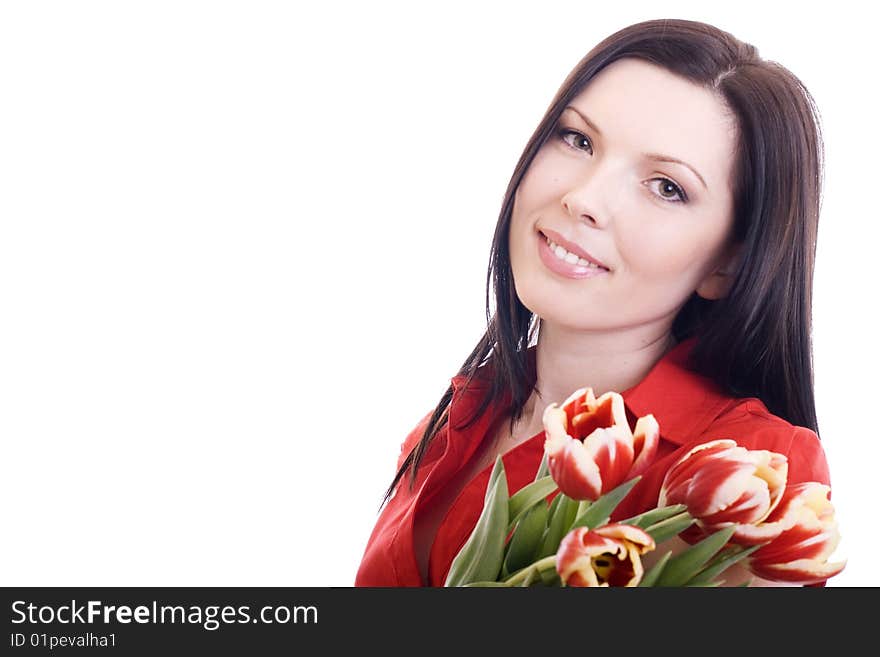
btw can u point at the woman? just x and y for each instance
(657, 238)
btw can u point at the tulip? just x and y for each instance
(723, 484)
(590, 446)
(609, 555)
(800, 553)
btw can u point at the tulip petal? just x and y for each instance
(607, 556)
(763, 532)
(806, 539)
(772, 468)
(585, 413)
(628, 570)
(723, 484)
(555, 426)
(811, 494)
(719, 482)
(579, 403)
(646, 438)
(740, 498)
(582, 573)
(800, 553)
(611, 450)
(786, 514)
(574, 471)
(800, 571)
(675, 483)
(637, 536)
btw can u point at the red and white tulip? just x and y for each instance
(609, 555)
(800, 553)
(590, 446)
(723, 484)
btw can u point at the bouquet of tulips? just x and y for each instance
(728, 504)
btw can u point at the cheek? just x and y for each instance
(532, 199)
(542, 184)
(660, 252)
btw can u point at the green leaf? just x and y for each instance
(720, 563)
(550, 577)
(485, 584)
(683, 566)
(530, 578)
(599, 511)
(583, 505)
(526, 539)
(650, 577)
(654, 516)
(528, 496)
(480, 558)
(553, 519)
(569, 507)
(528, 573)
(544, 468)
(670, 527)
(562, 514)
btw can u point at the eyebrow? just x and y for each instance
(657, 157)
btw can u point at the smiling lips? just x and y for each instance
(570, 262)
(572, 248)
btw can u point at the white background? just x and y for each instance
(243, 248)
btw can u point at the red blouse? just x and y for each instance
(689, 408)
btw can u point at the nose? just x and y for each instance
(582, 202)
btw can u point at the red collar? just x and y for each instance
(683, 402)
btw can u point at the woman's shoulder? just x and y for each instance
(748, 421)
(468, 396)
(762, 425)
(413, 437)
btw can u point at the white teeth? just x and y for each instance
(570, 258)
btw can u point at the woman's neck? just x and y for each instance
(566, 362)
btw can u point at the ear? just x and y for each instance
(718, 283)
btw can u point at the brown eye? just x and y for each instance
(576, 140)
(668, 191)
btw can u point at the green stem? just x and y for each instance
(542, 564)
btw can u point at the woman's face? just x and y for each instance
(604, 185)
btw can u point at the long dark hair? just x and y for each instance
(756, 340)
